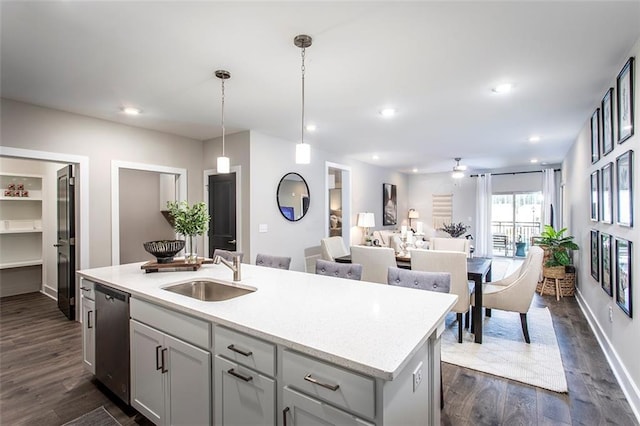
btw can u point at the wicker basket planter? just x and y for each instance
(567, 283)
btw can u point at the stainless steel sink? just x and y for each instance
(209, 291)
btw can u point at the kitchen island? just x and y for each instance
(305, 347)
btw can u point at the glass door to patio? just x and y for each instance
(515, 218)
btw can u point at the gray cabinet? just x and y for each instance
(170, 379)
(243, 396)
(88, 307)
(302, 410)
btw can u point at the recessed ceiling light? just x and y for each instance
(375, 157)
(544, 163)
(415, 170)
(131, 110)
(311, 128)
(534, 160)
(503, 88)
(534, 139)
(388, 112)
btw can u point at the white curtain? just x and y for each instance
(484, 240)
(549, 207)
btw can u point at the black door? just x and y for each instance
(222, 208)
(66, 243)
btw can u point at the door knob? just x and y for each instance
(231, 242)
(57, 245)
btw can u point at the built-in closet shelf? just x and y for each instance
(21, 264)
(19, 231)
(34, 198)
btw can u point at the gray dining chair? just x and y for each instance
(277, 262)
(227, 255)
(431, 281)
(352, 271)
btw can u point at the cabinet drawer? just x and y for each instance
(302, 410)
(87, 289)
(246, 350)
(333, 384)
(191, 330)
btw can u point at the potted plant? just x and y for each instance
(189, 221)
(557, 247)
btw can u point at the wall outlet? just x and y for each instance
(610, 314)
(417, 377)
(263, 227)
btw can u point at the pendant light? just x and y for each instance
(223, 162)
(303, 150)
(458, 170)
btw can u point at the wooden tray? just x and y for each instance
(177, 265)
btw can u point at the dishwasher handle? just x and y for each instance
(112, 294)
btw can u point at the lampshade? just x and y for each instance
(366, 220)
(303, 153)
(413, 214)
(223, 165)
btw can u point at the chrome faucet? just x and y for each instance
(235, 266)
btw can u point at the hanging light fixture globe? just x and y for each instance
(303, 150)
(458, 170)
(223, 163)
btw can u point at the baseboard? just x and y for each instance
(631, 391)
(49, 291)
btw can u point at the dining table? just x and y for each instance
(478, 271)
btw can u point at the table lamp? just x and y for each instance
(413, 214)
(366, 221)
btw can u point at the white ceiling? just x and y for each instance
(436, 62)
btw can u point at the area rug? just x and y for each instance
(504, 353)
(97, 417)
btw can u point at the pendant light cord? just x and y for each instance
(303, 69)
(223, 132)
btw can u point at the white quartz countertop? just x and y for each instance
(370, 328)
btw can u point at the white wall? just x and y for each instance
(273, 159)
(619, 337)
(31, 127)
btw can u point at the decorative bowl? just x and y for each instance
(164, 250)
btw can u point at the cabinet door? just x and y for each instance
(302, 410)
(89, 335)
(147, 378)
(246, 398)
(188, 384)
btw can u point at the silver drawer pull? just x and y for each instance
(233, 348)
(84, 288)
(308, 378)
(240, 376)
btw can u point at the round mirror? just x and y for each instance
(293, 196)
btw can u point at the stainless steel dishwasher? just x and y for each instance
(112, 340)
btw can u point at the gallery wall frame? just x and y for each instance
(607, 122)
(624, 292)
(595, 251)
(624, 188)
(389, 204)
(606, 193)
(595, 191)
(595, 136)
(625, 101)
(606, 281)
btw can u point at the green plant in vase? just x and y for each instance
(557, 246)
(189, 221)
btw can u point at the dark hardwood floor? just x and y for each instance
(43, 382)
(594, 397)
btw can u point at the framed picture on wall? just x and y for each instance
(595, 259)
(595, 183)
(607, 122)
(623, 275)
(595, 136)
(606, 194)
(389, 204)
(605, 262)
(625, 101)
(624, 185)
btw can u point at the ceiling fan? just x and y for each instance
(458, 169)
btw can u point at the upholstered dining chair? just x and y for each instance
(515, 292)
(352, 271)
(277, 262)
(375, 261)
(333, 247)
(455, 263)
(450, 244)
(227, 255)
